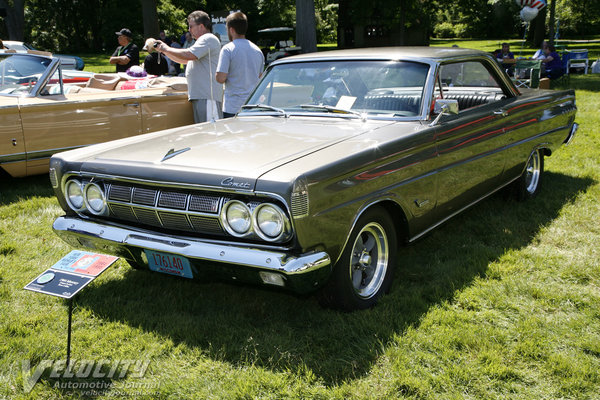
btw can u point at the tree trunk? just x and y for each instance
(539, 33)
(150, 18)
(306, 26)
(15, 19)
(552, 21)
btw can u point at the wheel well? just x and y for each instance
(546, 151)
(398, 218)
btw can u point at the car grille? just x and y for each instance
(168, 209)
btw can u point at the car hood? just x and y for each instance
(233, 152)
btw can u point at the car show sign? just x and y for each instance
(71, 274)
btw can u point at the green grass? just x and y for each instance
(501, 302)
(519, 48)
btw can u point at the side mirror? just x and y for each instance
(444, 107)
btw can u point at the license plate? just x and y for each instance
(169, 264)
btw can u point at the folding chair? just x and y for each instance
(577, 58)
(527, 73)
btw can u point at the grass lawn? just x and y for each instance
(501, 302)
(517, 46)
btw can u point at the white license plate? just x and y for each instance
(169, 264)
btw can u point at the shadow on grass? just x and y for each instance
(247, 326)
(14, 189)
(589, 82)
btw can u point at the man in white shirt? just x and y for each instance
(201, 59)
(240, 64)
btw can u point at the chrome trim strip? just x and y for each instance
(16, 157)
(71, 101)
(32, 155)
(148, 182)
(460, 210)
(572, 132)
(357, 217)
(245, 256)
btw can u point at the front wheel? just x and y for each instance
(365, 269)
(529, 183)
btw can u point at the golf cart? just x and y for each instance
(281, 39)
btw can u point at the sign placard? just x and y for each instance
(71, 274)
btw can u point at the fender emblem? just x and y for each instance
(229, 182)
(172, 153)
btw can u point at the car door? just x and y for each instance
(162, 109)
(470, 144)
(12, 145)
(55, 123)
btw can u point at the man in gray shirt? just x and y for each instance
(201, 59)
(240, 64)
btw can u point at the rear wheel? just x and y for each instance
(365, 269)
(529, 183)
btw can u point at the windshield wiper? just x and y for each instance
(333, 109)
(265, 107)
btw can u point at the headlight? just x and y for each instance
(236, 218)
(270, 221)
(94, 199)
(74, 195)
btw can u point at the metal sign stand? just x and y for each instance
(69, 333)
(68, 277)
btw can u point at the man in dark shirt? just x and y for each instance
(155, 63)
(127, 54)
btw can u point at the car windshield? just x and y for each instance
(347, 88)
(20, 72)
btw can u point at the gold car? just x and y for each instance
(45, 110)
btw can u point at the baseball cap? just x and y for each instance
(124, 32)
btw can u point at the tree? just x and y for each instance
(15, 18)
(150, 18)
(306, 26)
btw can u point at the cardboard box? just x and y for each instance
(544, 83)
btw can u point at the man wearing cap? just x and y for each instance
(201, 64)
(127, 54)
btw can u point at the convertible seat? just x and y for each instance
(468, 100)
(392, 102)
(104, 81)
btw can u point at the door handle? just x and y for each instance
(501, 113)
(131, 104)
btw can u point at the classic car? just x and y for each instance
(44, 109)
(336, 159)
(66, 62)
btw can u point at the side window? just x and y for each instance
(469, 82)
(467, 74)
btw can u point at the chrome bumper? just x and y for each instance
(302, 273)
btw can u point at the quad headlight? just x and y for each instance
(270, 221)
(95, 200)
(74, 195)
(267, 221)
(236, 218)
(82, 196)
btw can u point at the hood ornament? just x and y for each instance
(172, 153)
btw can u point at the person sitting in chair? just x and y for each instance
(552, 64)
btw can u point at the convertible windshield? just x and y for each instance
(20, 72)
(346, 88)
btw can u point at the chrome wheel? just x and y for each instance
(369, 260)
(533, 172)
